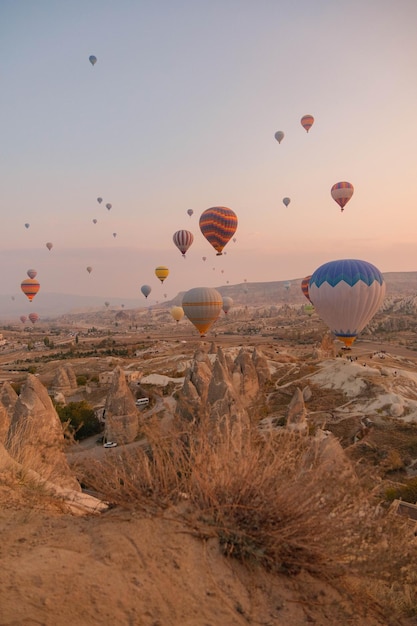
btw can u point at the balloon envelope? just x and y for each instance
(161, 272)
(286, 201)
(346, 294)
(190, 212)
(33, 317)
(108, 206)
(183, 240)
(92, 59)
(304, 286)
(279, 136)
(49, 245)
(99, 200)
(177, 313)
(89, 269)
(342, 193)
(31, 273)
(146, 290)
(227, 303)
(202, 306)
(307, 122)
(23, 319)
(94, 221)
(27, 225)
(30, 288)
(218, 226)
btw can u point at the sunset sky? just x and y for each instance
(180, 112)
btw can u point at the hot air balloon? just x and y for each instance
(49, 245)
(31, 273)
(92, 59)
(190, 212)
(177, 313)
(33, 317)
(227, 303)
(99, 200)
(146, 290)
(342, 193)
(287, 285)
(89, 269)
(23, 319)
(279, 136)
(309, 309)
(234, 239)
(12, 298)
(202, 306)
(27, 225)
(307, 122)
(30, 288)
(108, 206)
(286, 201)
(346, 294)
(304, 286)
(115, 235)
(94, 221)
(218, 226)
(183, 240)
(204, 258)
(107, 304)
(161, 272)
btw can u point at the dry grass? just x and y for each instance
(273, 500)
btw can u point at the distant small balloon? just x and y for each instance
(279, 136)
(146, 290)
(99, 200)
(27, 225)
(204, 258)
(23, 319)
(33, 317)
(94, 221)
(286, 201)
(190, 212)
(307, 122)
(114, 235)
(89, 269)
(92, 59)
(49, 245)
(31, 273)
(108, 206)
(107, 304)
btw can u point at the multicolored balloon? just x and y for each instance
(286, 201)
(30, 288)
(32, 273)
(146, 290)
(342, 193)
(92, 59)
(202, 306)
(304, 287)
(49, 245)
(307, 122)
(279, 136)
(177, 313)
(33, 317)
(227, 304)
(183, 240)
(218, 226)
(346, 294)
(161, 272)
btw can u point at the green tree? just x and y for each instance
(81, 418)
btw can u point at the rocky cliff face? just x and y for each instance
(221, 392)
(35, 437)
(8, 399)
(65, 381)
(121, 413)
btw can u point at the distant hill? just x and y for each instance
(399, 284)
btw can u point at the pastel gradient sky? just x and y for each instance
(180, 112)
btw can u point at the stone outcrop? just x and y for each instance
(121, 413)
(64, 382)
(297, 413)
(8, 399)
(35, 437)
(327, 347)
(221, 391)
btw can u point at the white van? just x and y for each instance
(142, 401)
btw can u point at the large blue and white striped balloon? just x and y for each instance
(346, 294)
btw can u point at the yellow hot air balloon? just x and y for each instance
(202, 306)
(177, 313)
(161, 272)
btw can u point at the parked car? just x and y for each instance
(110, 444)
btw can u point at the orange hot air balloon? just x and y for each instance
(307, 122)
(202, 306)
(30, 288)
(218, 226)
(304, 286)
(33, 317)
(31, 273)
(342, 193)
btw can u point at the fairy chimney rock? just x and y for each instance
(261, 365)
(8, 397)
(296, 413)
(121, 413)
(245, 378)
(35, 436)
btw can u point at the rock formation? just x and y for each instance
(35, 438)
(8, 399)
(121, 413)
(65, 381)
(297, 414)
